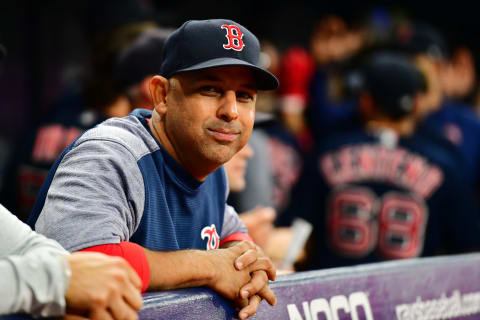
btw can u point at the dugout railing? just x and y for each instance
(427, 288)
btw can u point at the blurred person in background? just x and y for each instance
(267, 170)
(259, 172)
(273, 168)
(333, 43)
(459, 77)
(296, 72)
(259, 221)
(448, 80)
(376, 189)
(122, 67)
(137, 64)
(276, 162)
(335, 46)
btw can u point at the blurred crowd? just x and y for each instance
(381, 166)
(302, 185)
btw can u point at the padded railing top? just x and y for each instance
(427, 288)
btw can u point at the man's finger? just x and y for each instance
(246, 259)
(133, 297)
(121, 310)
(240, 303)
(267, 294)
(266, 265)
(259, 285)
(131, 274)
(100, 314)
(257, 282)
(251, 308)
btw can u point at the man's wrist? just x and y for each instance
(192, 268)
(210, 268)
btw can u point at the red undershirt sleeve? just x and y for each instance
(237, 236)
(131, 252)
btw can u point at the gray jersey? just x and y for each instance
(33, 278)
(97, 195)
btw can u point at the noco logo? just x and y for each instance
(356, 306)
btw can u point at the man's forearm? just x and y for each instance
(179, 269)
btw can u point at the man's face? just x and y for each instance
(210, 113)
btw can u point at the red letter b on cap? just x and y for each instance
(234, 36)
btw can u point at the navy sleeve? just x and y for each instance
(306, 199)
(460, 216)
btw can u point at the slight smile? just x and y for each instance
(223, 134)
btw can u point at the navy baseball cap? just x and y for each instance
(393, 81)
(202, 44)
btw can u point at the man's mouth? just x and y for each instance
(222, 134)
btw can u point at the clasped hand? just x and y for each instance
(242, 274)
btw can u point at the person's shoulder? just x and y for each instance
(456, 112)
(130, 132)
(437, 149)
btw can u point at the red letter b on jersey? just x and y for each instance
(234, 36)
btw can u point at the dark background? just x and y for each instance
(48, 41)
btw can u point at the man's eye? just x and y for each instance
(209, 89)
(244, 96)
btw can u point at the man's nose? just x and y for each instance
(228, 107)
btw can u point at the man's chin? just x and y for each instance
(221, 157)
(221, 153)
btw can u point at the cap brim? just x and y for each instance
(264, 79)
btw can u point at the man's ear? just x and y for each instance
(158, 93)
(145, 90)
